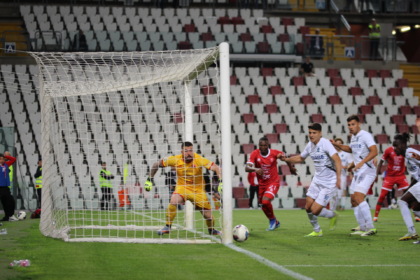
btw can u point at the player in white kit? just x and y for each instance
(326, 178)
(339, 197)
(411, 198)
(364, 150)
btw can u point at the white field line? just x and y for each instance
(352, 265)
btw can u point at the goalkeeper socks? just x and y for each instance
(170, 213)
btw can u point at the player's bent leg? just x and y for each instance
(171, 211)
(379, 204)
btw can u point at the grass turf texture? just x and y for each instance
(335, 255)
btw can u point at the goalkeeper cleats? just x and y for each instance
(315, 234)
(273, 225)
(409, 236)
(164, 230)
(213, 231)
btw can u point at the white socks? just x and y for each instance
(326, 213)
(405, 212)
(365, 212)
(314, 221)
(359, 218)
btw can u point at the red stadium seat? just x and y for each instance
(405, 109)
(307, 99)
(274, 90)
(267, 71)
(245, 37)
(202, 108)
(384, 73)
(248, 118)
(184, 45)
(272, 138)
(283, 38)
(253, 99)
(415, 129)
(238, 192)
(178, 118)
(317, 118)
(366, 109)
(207, 36)
(263, 47)
(285, 170)
(371, 73)
(271, 108)
(382, 138)
(361, 118)
(248, 148)
(299, 48)
(332, 72)
(224, 20)
(280, 128)
(189, 28)
(206, 90)
(287, 21)
(401, 128)
(267, 29)
(238, 20)
(397, 119)
(416, 110)
(373, 100)
(304, 30)
(402, 83)
(233, 80)
(334, 99)
(395, 91)
(337, 81)
(298, 81)
(355, 91)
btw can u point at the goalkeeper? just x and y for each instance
(189, 186)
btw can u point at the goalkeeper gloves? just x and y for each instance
(220, 187)
(148, 185)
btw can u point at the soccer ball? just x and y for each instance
(240, 233)
(21, 215)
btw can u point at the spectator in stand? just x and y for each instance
(6, 197)
(79, 42)
(374, 37)
(38, 183)
(317, 45)
(307, 68)
(105, 177)
(253, 188)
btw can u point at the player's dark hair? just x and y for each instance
(404, 137)
(353, 118)
(186, 144)
(264, 138)
(338, 139)
(103, 162)
(1, 155)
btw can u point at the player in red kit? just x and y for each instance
(395, 175)
(263, 161)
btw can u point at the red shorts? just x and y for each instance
(390, 182)
(269, 191)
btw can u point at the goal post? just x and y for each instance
(129, 110)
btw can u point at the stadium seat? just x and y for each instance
(354, 91)
(337, 81)
(396, 91)
(332, 72)
(384, 73)
(274, 90)
(184, 45)
(382, 138)
(405, 109)
(202, 108)
(317, 118)
(266, 29)
(206, 90)
(298, 81)
(253, 99)
(402, 83)
(272, 138)
(283, 38)
(247, 148)
(397, 119)
(366, 109)
(334, 99)
(414, 129)
(371, 73)
(401, 128)
(307, 99)
(245, 37)
(285, 170)
(271, 108)
(373, 100)
(248, 118)
(263, 47)
(287, 21)
(207, 36)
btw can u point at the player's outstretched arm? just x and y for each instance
(294, 159)
(338, 166)
(148, 185)
(342, 147)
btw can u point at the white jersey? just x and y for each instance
(321, 154)
(359, 145)
(413, 165)
(346, 159)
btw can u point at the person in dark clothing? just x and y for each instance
(38, 183)
(253, 188)
(105, 178)
(6, 197)
(79, 42)
(307, 68)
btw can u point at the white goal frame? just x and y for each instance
(52, 227)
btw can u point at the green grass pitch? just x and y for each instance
(336, 255)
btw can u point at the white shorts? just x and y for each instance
(321, 192)
(361, 183)
(415, 191)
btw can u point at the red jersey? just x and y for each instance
(396, 164)
(268, 164)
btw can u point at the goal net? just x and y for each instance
(129, 110)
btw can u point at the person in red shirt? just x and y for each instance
(395, 175)
(253, 187)
(263, 161)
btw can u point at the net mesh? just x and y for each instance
(127, 110)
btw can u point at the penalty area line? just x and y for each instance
(269, 263)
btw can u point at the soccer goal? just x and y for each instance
(130, 109)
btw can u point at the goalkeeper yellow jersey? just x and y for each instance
(188, 174)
